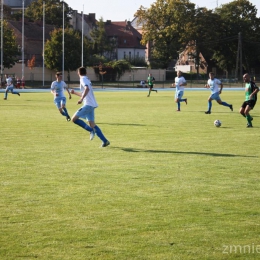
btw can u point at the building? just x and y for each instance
(89, 22)
(139, 28)
(127, 40)
(33, 38)
(187, 60)
(17, 5)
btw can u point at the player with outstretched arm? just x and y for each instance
(87, 111)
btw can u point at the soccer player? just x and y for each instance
(213, 84)
(9, 87)
(250, 99)
(87, 111)
(57, 89)
(179, 84)
(150, 81)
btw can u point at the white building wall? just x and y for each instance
(49, 75)
(134, 53)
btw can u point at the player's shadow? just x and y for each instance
(121, 124)
(134, 150)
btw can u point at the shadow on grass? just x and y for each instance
(133, 150)
(120, 124)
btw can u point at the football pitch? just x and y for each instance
(170, 186)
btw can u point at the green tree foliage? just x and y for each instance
(53, 12)
(164, 24)
(102, 45)
(72, 49)
(7, 12)
(112, 70)
(238, 16)
(201, 37)
(10, 47)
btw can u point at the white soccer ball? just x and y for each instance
(217, 123)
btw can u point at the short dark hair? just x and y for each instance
(82, 71)
(58, 73)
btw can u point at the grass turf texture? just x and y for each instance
(170, 186)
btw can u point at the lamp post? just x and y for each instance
(2, 36)
(82, 37)
(63, 25)
(22, 42)
(43, 43)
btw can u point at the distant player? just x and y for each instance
(9, 87)
(250, 99)
(179, 84)
(57, 89)
(150, 81)
(213, 84)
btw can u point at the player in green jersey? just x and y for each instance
(250, 99)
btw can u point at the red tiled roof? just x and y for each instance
(32, 31)
(33, 37)
(127, 36)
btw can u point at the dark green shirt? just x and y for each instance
(150, 81)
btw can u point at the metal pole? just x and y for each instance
(23, 42)
(63, 45)
(82, 37)
(43, 44)
(238, 51)
(241, 61)
(2, 36)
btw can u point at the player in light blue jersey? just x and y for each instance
(87, 111)
(9, 87)
(213, 84)
(57, 89)
(179, 84)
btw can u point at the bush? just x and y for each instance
(112, 70)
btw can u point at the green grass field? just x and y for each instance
(170, 185)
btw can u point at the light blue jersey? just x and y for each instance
(59, 88)
(178, 81)
(214, 85)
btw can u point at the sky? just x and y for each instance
(121, 10)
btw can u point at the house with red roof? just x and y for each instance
(127, 38)
(33, 38)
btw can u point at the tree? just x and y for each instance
(163, 26)
(7, 12)
(203, 39)
(112, 70)
(53, 12)
(239, 16)
(72, 49)
(10, 47)
(101, 45)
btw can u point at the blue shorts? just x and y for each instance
(215, 96)
(9, 88)
(179, 94)
(86, 112)
(59, 101)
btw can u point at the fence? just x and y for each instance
(163, 78)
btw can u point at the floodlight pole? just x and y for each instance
(22, 42)
(43, 43)
(2, 37)
(63, 42)
(82, 37)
